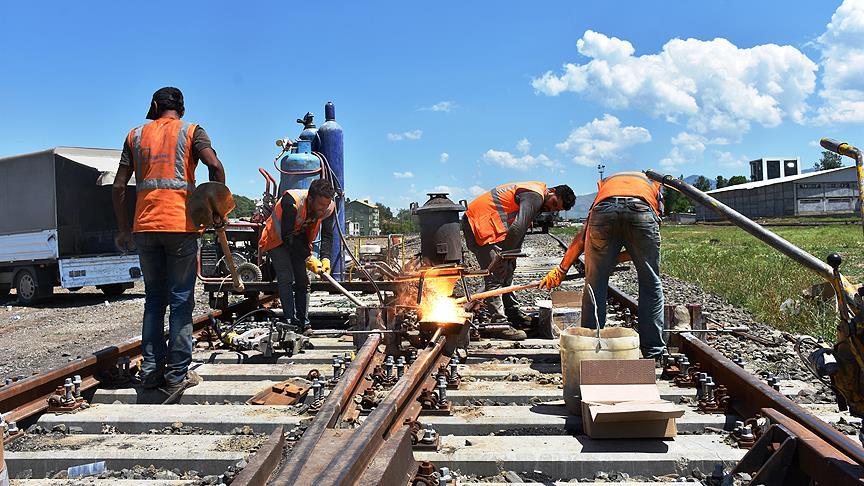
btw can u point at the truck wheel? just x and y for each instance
(27, 286)
(249, 272)
(113, 290)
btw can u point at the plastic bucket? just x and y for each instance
(580, 343)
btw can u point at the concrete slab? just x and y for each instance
(207, 454)
(543, 419)
(213, 392)
(566, 456)
(311, 356)
(136, 419)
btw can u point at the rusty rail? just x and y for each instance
(29, 396)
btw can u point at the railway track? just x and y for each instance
(506, 422)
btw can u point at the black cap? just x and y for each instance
(167, 98)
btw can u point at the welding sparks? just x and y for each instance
(437, 304)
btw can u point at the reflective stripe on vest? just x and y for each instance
(271, 237)
(492, 213)
(179, 181)
(164, 175)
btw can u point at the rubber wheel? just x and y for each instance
(238, 261)
(27, 286)
(113, 290)
(249, 272)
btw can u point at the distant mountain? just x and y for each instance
(581, 207)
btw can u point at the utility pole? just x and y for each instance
(601, 168)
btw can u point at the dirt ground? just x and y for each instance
(67, 326)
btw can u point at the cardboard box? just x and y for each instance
(620, 400)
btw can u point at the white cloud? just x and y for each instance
(727, 159)
(602, 140)
(444, 157)
(519, 162)
(715, 87)
(476, 190)
(409, 135)
(403, 175)
(442, 106)
(842, 47)
(523, 146)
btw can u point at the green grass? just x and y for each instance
(728, 262)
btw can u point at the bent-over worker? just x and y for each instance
(163, 155)
(625, 214)
(288, 236)
(497, 221)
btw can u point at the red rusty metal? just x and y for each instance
(29, 396)
(286, 392)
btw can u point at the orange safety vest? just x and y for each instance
(630, 184)
(491, 214)
(164, 175)
(271, 237)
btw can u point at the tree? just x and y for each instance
(721, 182)
(702, 183)
(829, 160)
(675, 202)
(735, 180)
(384, 212)
(243, 207)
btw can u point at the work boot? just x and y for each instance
(153, 381)
(519, 319)
(508, 333)
(174, 391)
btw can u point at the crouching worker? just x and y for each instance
(625, 214)
(288, 236)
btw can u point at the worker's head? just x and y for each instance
(559, 198)
(320, 196)
(165, 99)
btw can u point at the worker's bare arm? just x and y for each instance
(118, 197)
(214, 165)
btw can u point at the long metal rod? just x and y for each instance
(367, 439)
(807, 260)
(326, 418)
(342, 289)
(501, 291)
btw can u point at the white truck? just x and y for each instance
(57, 224)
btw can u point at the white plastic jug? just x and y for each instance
(581, 343)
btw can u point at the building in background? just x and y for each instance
(833, 191)
(364, 214)
(768, 168)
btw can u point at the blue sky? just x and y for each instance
(507, 90)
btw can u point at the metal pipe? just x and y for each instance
(802, 257)
(495, 292)
(852, 152)
(342, 289)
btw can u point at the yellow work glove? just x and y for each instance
(313, 264)
(325, 265)
(553, 278)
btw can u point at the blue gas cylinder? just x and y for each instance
(300, 166)
(331, 146)
(310, 132)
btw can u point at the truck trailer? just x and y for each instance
(57, 224)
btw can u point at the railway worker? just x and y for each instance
(163, 155)
(625, 214)
(288, 236)
(497, 221)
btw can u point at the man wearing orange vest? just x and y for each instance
(625, 214)
(497, 220)
(288, 236)
(163, 155)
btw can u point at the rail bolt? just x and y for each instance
(442, 389)
(429, 436)
(388, 365)
(67, 387)
(76, 382)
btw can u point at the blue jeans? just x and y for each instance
(289, 263)
(168, 262)
(635, 227)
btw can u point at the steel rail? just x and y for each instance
(346, 468)
(28, 397)
(749, 394)
(329, 414)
